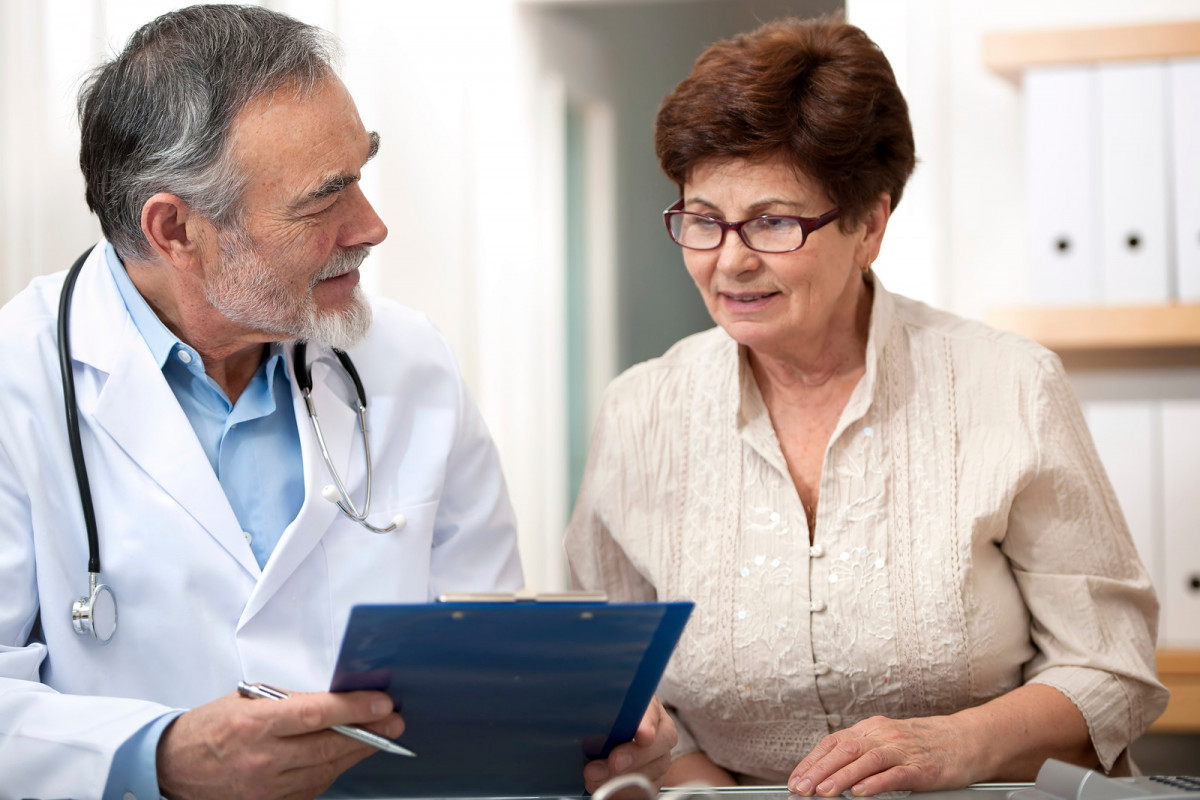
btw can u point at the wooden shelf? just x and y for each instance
(1166, 335)
(1008, 52)
(1179, 670)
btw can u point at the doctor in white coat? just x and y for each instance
(222, 156)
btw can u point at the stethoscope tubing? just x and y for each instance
(304, 382)
(72, 413)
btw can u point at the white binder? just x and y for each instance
(1179, 593)
(1184, 82)
(1062, 185)
(1129, 439)
(1134, 245)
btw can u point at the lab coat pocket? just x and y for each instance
(392, 567)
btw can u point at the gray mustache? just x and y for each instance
(344, 261)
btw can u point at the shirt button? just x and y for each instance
(129, 796)
(249, 537)
(186, 358)
(816, 551)
(816, 605)
(820, 668)
(835, 720)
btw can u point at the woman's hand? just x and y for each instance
(1008, 738)
(649, 753)
(883, 755)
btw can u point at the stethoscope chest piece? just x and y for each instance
(95, 614)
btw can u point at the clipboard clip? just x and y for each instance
(523, 596)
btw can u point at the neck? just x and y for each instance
(231, 356)
(838, 353)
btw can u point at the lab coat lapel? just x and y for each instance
(339, 426)
(137, 408)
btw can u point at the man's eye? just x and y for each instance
(325, 204)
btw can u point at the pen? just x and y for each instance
(366, 737)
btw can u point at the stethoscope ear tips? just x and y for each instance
(399, 521)
(330, 493)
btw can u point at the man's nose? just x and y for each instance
(364, 227)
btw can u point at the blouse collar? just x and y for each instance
(753, 421)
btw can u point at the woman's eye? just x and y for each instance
(777, 224)
(702, 223)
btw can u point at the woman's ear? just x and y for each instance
(875, 223)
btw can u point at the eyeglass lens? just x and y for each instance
(767, 234)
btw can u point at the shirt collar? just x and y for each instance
(158, 337)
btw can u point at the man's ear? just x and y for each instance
(170, 228)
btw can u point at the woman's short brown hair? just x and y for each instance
(817, 92)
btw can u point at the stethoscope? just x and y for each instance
(96, 613)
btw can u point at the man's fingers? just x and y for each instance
(306, 713)
(336, 757)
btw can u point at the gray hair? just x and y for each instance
(157, 118)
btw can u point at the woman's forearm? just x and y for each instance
(1018, 731)
(696, 768)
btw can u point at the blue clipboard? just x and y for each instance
(503, 699)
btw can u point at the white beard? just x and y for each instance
(247, 292)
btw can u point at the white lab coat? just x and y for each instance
(196, 614)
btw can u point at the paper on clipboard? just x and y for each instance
(503, 699)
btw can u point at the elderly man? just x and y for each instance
(222, 156)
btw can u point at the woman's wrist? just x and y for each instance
(976, 753)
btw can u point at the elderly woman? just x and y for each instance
(909, 569)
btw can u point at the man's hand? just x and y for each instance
(238, 747)
(649, 753)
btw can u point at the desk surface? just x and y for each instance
(981, 791)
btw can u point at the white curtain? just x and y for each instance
(452, 90)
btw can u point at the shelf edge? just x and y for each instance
(1007, 53)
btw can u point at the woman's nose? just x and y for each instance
(734, 257)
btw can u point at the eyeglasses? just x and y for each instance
(770, 233)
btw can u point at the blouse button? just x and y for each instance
(820, 668)
(816, 551)
(816, 605)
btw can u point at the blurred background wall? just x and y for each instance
(518, 180)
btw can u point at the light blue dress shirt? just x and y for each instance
(254, 449)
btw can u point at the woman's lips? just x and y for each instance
(747, 302)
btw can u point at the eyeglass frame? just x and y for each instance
(808, 225)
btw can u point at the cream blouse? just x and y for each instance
(967, 542)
